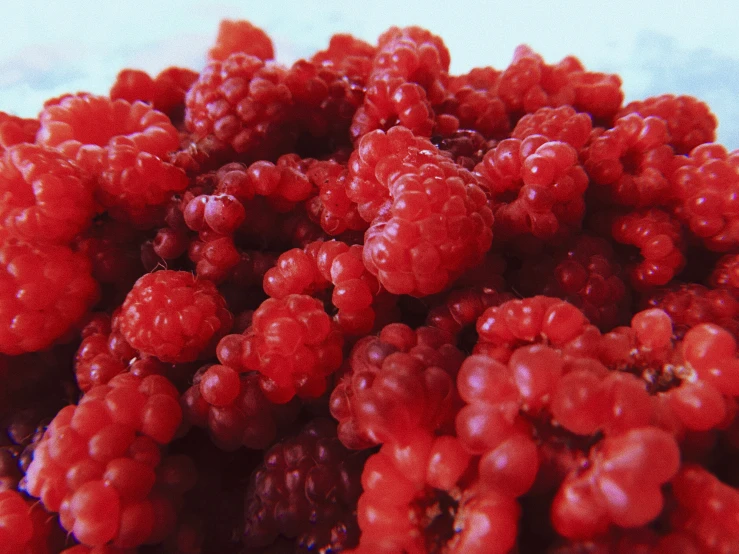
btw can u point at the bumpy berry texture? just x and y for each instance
(517, 299)
(432, 219)
(241, 36)
(244, 102)
(45, 197)
(306, 491)
(537, 187)
(398, 382)
(125, 151)
(101, 464)
(174, 316)
(44, 291)
(705, 187)
(292, 343)
(689, 121)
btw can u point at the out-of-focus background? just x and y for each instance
(50, 47)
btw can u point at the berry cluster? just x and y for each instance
(360, 304)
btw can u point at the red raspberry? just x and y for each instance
(45, 198)
(16, 527)
(166, 92)
(585, 273)
(240, 36)
(466, 147)
(397, 382)
(658, 236)
(691, 304)
(234, 409)
(306, 491)
(562, 124)
(126, 154)
(331, 208)
(461, 308)
(473, 106)
(726, 273)
(706, 187)
(631, 162)
(407, 79)
(43, 294)
(82, 549)
(537, 187)
(621, 486)
(710, 351)
(437, 223)
(174, 316)
(689, 121)
(409, 503)
(292, 343)
(16, 130)
(100, 463)
(706, 510)
(244, 102)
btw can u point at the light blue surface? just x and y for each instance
(51, 47)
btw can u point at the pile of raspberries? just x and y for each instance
(359, 304)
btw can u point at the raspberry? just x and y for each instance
(126, 154)
(16, 130)
(689, 121)
(658, 236)
(240, 36)
(100, 463)
(234, 409)
(466, 147)
(561, 124)
(537, 187)
(174, 316)
(397, 382)
(437, 225)
(16, 528)
(331, 208)
(46, 198)
(691, 304)
(306, 491)
(473, 106)
(166, 92)
(631, 163)
(244, 102)
(44, 293)
(409, 502)
(462, 308)
(407, 78)
(705, 187)
(585, 273)
(292, 343)
(705, 509)
(620, 487)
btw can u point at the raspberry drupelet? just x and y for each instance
(44, 292)
(244, 102)
(101, 465)
(305, 491)
(125, 151)
(706, 188)
(397, 382)
(174, 316)
(537, 187)
(165, 92)
(292, 343)
(45, 197)
(689, 121)
(16, 527)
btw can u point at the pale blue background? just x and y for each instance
(49, 47)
